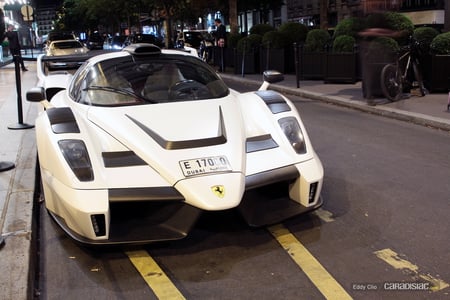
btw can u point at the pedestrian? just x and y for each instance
(14, 46)
(369, 76)
(220, 36)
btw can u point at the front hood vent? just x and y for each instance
(186, 144)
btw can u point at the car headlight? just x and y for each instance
(76, 155)
(294, 134)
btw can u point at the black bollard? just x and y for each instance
(20, 124)
(448, 102)
(297, 64)
(222, 64)
(243, 60)
(267, 56)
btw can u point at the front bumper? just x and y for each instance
(144, 215)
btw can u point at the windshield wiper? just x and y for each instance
(118, 91)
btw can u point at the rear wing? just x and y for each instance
(55, 79)
(63, 63)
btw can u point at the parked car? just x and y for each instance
(59, 36)
(70, 48)
(116, 42)
(192, 38)
(139, 142)
(95, 41)
(144, 38)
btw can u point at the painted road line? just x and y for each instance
(319, 276)
(153, 275)
(393, 259)
(324, 215)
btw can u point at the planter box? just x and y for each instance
(228, 54)
(289, 60)
(312, 65)
(341, 67)
(436, 73)
(272, 59)
(217, 56)
(251, 63)
(229, 57)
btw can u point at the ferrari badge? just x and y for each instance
(219, 190)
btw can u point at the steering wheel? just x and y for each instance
(188, 90)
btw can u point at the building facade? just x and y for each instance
(45, 18)
(327, 13)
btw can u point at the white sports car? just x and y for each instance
(137, 143)
(71, 48)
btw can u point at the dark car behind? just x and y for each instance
(116, 42)
(95, 41)
(144, 38)
(192, 38)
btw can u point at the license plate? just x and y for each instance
(205, 165)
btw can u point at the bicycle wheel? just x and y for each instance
(391, 82)
(419, 79)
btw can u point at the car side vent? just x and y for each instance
(274, 101)
(312, 192)
(119, 159)
(259, 143)
(62, 120)
(99, 224)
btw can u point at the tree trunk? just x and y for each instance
(324, 14)
(234, 27)
(446, 16)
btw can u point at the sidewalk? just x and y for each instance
(18, 146)
(430, 110)
(17, 185)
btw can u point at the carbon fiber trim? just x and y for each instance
(142, 223)
(120, 159)
(144, 194)
(274, 101)
(221, 138)
(271, 176)
(259, 143)
(62, 120)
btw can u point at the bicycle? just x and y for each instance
(394, 76)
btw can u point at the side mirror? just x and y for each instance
(36, 94)
(272, 76)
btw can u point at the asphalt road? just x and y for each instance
(382, 232)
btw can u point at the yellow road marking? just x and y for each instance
(153, 275)
(324, 215)
(319, 276)
(395, 261)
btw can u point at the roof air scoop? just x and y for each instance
(143, 49)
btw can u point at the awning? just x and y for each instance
(426, 17)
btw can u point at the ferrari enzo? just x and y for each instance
(65, 48)
(136, 144)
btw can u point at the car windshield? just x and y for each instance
(54, 36)
(67, 45)
(147, 80)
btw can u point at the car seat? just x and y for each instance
(158, 84)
